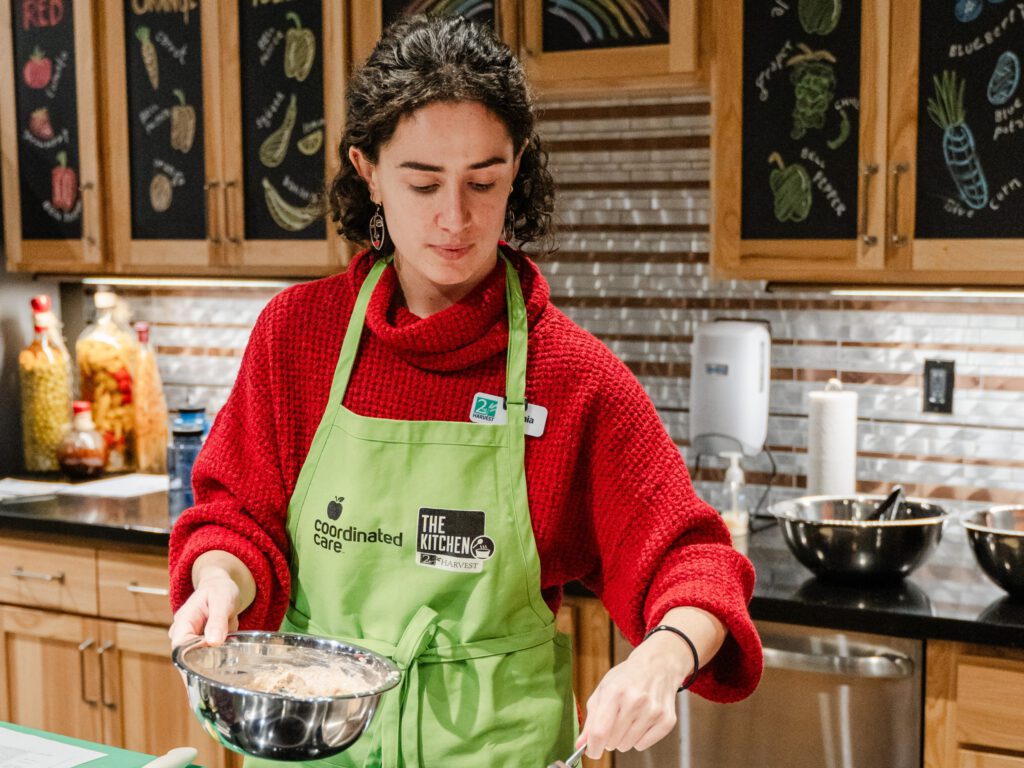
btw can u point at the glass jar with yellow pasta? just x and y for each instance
(44, 372)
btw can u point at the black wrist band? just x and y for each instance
(693, 649)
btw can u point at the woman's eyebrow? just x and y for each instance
(415, 166)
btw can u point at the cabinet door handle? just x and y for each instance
(103, 674)
(82, 646)
(135, 588)
(86, 187)
(869, 170)
(879, 666)
(526, 50)
(229, 187)
(894, 205)
(209, 187)
(20, 573)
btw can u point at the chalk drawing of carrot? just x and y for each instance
(946, 110)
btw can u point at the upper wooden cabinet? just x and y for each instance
(221, 118)
(867, 141)
(571, 47)
(48, 136)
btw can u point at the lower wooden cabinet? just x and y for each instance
(974, 707)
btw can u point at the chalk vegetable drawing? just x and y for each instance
(819, 17)
(791, 187)
(946, 110)
(814, 84)
(1005, 78)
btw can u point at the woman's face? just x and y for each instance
(443, 180)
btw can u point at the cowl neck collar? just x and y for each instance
(462, 335)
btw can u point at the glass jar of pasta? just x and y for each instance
(107, 358)
(44, 372)
(150, 409)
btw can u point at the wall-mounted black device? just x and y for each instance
(938, 386)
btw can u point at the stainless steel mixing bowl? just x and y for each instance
(831, 536)
(277, 726)
(997, 540)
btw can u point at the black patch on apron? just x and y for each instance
(452, 540)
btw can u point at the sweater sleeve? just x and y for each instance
(241, 499)
(660, 546)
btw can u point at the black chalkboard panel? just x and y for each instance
(581, 25)
(283, 133)
(478, 10)
(47, 116)
(163, 51)
(970, 139)
(801, 111)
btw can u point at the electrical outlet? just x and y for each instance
(938, 385)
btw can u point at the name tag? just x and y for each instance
(490, 409)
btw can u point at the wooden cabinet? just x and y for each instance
(49, 140)
(572, 48)
(974, 716)
(84, 649)
(226, 117)
(855, 160)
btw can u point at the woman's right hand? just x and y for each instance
(224, 588)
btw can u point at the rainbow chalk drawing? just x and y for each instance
(946, 110)
(610, 19)
(466, 8)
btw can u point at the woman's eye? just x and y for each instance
(482, 187)
(424, 189)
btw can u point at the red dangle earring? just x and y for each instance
(377, 229)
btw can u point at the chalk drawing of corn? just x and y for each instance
(946, 110)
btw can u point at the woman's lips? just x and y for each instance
(451, 251)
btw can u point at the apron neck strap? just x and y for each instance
(515, 368)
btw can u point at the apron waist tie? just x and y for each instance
(413, 649)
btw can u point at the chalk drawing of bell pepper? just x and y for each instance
(299, 49)
(946, 110)
(814, 84)
(64, 182)
(183, 123)
(819, 17)
(791, 187)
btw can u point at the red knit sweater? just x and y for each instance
(609, 495)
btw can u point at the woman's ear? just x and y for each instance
(366, 169)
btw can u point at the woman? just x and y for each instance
(420, 453)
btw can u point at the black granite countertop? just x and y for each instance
(948, 598)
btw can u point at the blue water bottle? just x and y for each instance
(186, 441)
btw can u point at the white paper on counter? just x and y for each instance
(12, 488)
(123, 487)
(23, 750)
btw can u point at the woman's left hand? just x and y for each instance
(634, 706)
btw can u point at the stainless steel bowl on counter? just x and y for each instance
(284, 696)
(996, 536)
(834, 537)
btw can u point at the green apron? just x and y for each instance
(413, 539)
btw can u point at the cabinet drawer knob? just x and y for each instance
(137, 589)
(20, 573)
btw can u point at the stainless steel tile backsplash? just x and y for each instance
(632, 267)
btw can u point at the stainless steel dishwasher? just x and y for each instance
(828, 699)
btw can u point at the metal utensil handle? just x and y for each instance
(883, 666)
(869, 170)
(135, 588)
(575, 756)
(20, 573)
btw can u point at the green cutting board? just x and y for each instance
(114, 757)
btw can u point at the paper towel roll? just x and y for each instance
(832, 441)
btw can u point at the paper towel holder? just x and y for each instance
(729, 387)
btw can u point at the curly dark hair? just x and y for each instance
(424, 59)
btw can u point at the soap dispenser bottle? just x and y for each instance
(734, 510)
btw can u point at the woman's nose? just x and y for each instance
(454, 215)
